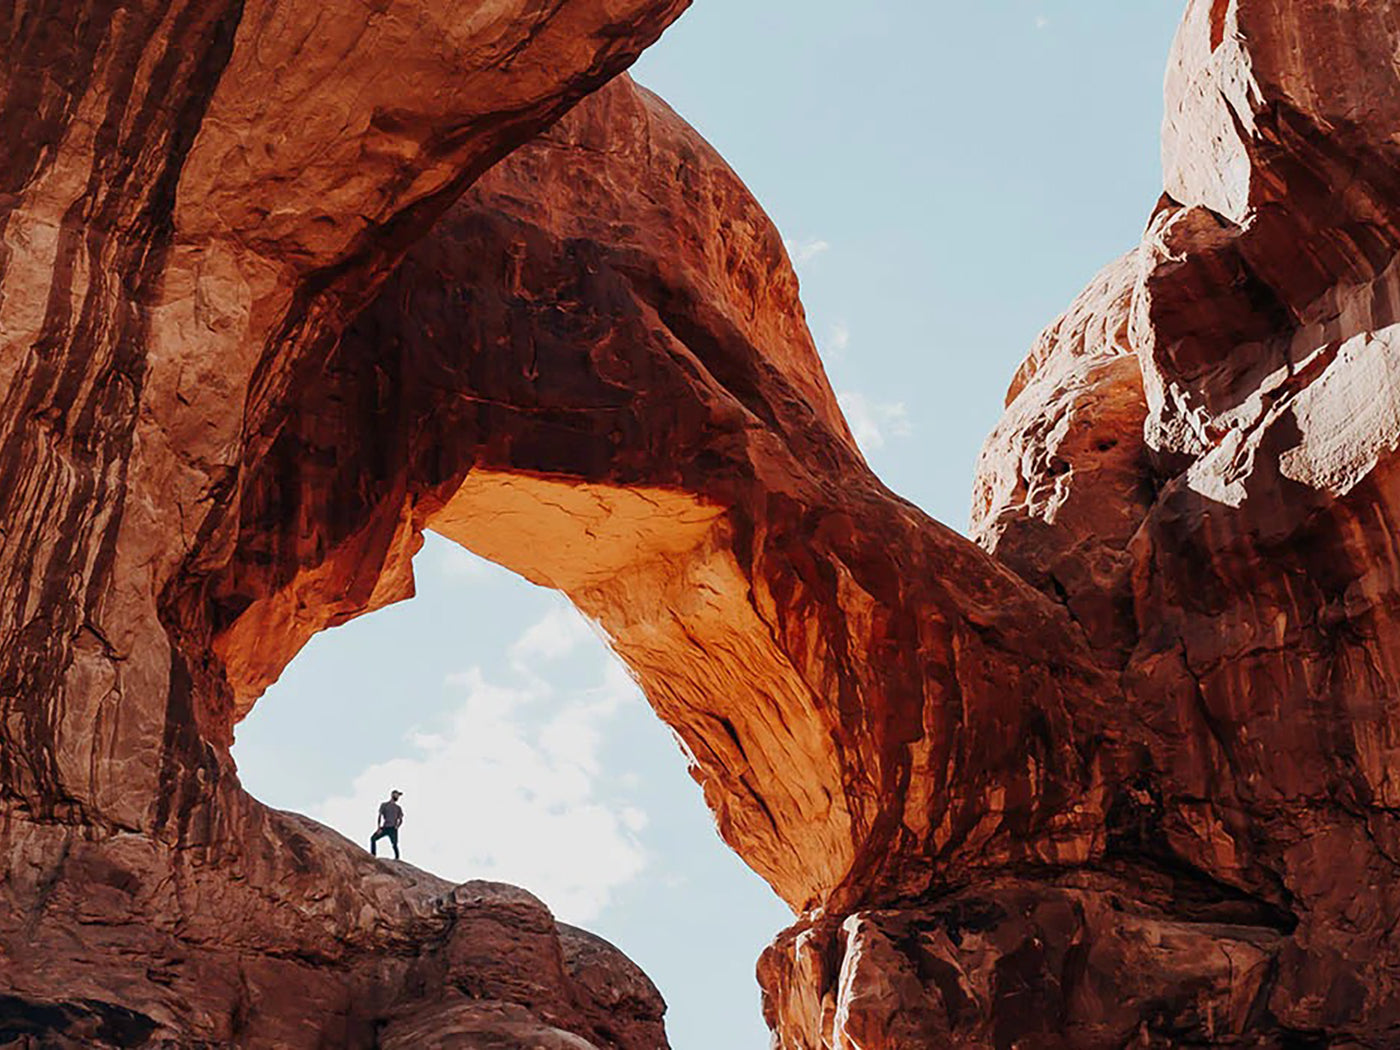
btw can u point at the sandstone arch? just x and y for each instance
(1129, 778)
(617, 396)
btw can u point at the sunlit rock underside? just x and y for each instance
(1121, 772)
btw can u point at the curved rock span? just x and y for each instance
(1118, 773)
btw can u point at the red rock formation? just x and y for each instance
(1124, 780)
(615, 394)
(1243, 529)
(194, 197)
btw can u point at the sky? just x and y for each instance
(947, 177)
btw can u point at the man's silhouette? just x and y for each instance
(390, 817)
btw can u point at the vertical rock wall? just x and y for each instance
(1119, 773)
(1221, 469)
(194, 199)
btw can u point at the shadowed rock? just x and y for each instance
(1123, 777)
(194, 198)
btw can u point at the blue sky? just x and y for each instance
(947, 176)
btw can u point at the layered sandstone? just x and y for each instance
(1121, 775)
(194, 199)
(1218, 475)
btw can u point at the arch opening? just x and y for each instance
(528, 756)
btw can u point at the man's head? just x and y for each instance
(394, 796)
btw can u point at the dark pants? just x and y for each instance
(386, 832)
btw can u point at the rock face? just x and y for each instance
(1119, 773)
(194, 199)
(1197, 461)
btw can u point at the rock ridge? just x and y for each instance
(1119, 772)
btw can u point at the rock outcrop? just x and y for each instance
(195, 197)
(1119, 775)
(1197, 461)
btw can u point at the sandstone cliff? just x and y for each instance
(1196, 461)
(1119, 773)
(194, 199)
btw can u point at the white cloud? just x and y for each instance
(459, 563)
(1041, 21)
(804, 251)
(837, 340)
(872, 422)
(508, 788)
(552, 638)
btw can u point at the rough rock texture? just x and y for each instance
(194, 198)
(1197, 460)
(1121, 775)
(615, 394)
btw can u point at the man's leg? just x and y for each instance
(373, 839)
(393, 834)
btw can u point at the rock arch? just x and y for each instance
(1130, 775)
(616, 395)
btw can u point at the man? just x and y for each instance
(390, 817)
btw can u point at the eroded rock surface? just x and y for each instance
(1207, 443)
(194, 198)
(1121, 775)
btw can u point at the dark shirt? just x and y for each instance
(390, 814)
